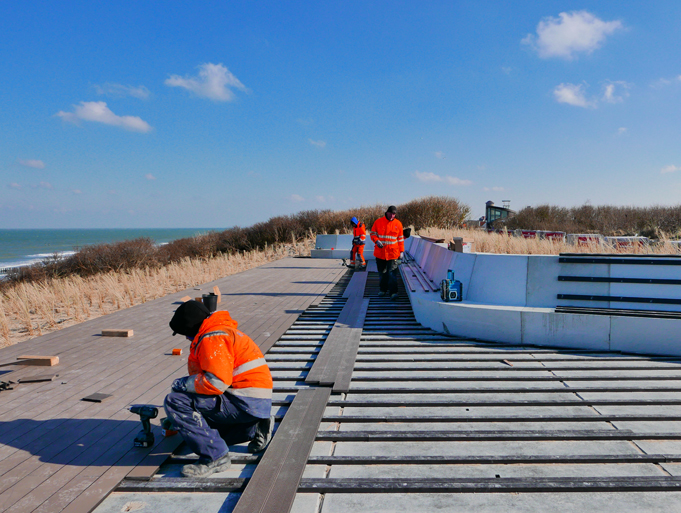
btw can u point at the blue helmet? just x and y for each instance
(354, 220)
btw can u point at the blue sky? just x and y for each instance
(180, 114)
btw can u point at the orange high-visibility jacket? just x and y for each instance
(361, 232)
(223, 359)
(390, 233)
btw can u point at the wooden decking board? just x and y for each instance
(325, 369)
(50, 486)
(275, 480)
(346, 363)
(65, 392)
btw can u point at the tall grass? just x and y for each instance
(508, 244)
(31, 309)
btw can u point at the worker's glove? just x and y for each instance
(180, 384)
(402, 256)
(379, 244)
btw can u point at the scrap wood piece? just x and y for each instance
(96, 398)
(43, 361)
(216, 291)
(185, 299)
(507, 363)
(117, 333)
(38, 379)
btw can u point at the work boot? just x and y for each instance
(393, 297)
(205, 468)
(381, 294)
(263, 435)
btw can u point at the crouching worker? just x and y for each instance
(227, 397)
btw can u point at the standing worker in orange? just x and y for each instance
(359, 238)
(388, 236)
(227, 397)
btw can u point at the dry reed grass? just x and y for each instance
(32, 309)
(508, 244)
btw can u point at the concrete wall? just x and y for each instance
(341, 244)
(511, 299)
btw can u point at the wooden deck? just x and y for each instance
(59, 453)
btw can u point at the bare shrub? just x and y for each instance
(652, 222)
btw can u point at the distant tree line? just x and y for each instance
(654, 222)
(434, 211)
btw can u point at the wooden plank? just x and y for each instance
(346, 329)
(42, 361)
(349, 354)
(216, 291)
(117, 333)
(274, 484)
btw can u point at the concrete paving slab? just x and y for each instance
(478, 426)
(634, 502)
(305, 503)
(491, 471)
(459, 385)
(473, 411)
(630, 395)
(463, 397)
(650, 427)
(540, 448)
(660, 446)
(168, 502)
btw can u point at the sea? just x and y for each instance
(25, 247)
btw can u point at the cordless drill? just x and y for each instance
(145, 438)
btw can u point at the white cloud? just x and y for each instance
(43, 185)
(670, 169)
(664, 82)
(571, 94)
(77, 191)
(296, 197)
(214, 82)
(149, 176)
(320, 199)
(37, 164)
(496, 189)
(615, 92)
(440, 155)
(429, 177)
(622, 130)
(507, 70)
(98, 112)
(120, 90)
(572, 33)
(318, 144)
(14, 185)
(305, 121)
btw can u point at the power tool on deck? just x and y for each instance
(145, 438)
(451, 289)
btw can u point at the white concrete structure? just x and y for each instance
(511, 299)
(339, 246)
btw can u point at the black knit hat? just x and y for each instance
(392, 209)
(188, 318)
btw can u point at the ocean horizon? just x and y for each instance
(19, 247)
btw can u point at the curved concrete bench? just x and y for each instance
(513, 299)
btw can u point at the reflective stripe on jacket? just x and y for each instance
(360, 232)
(223, 359)
(390, 233)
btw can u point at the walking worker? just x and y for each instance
(388, 236)
(227, 397)
(359, 239)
